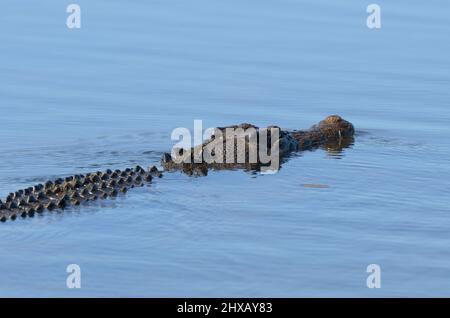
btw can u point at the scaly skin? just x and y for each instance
(72, 191)
(333, 133)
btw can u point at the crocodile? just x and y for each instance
(333, 133)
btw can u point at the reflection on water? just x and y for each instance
(109, 95)
(335, 149)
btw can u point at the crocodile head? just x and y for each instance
(335, 125)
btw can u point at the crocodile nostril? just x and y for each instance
(333, 119)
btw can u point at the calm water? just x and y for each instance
(108, 96)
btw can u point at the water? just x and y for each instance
(108, 96)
